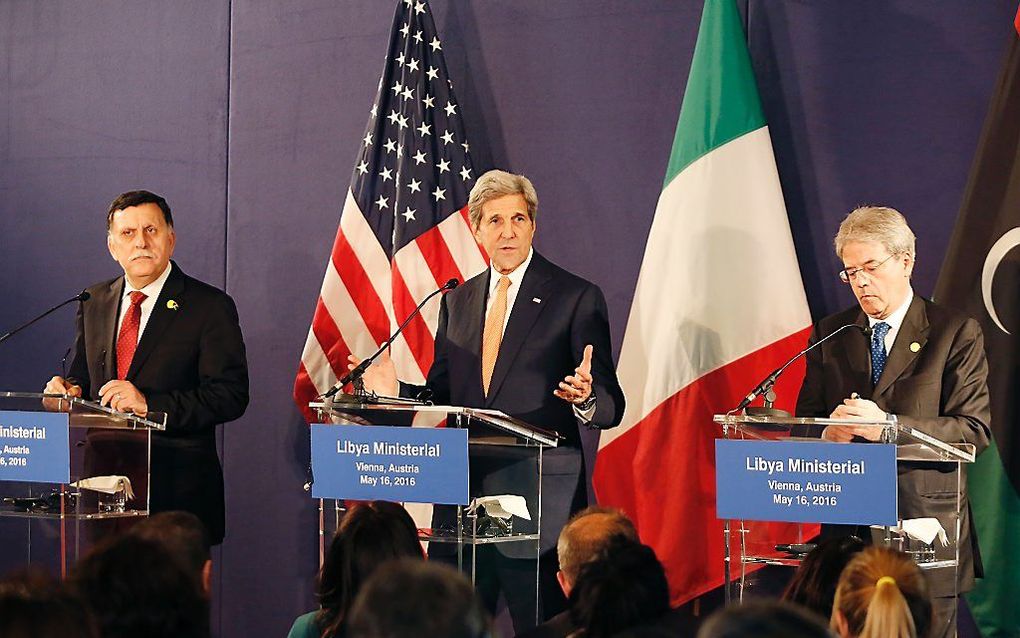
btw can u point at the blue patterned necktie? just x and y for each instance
(879, 330)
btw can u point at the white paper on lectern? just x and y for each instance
(502, 506)
(107, 485)
(925, 530)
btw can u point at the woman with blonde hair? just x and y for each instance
(882, 594)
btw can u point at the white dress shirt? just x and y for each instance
(895, 320)
(151, 293)
(516, 277)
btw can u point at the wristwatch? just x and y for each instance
(588, 403)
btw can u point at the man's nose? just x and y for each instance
(506, 231)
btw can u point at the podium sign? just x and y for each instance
(806, 482)
(33, 447)
(410, 465)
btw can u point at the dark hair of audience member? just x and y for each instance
(135, 587)
(622, 588)
(882, 594)
(370, 534)
(33, 605)
(814, 584)
(764, 619)
(434, 600)
(183, 535)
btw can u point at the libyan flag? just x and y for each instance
(719, 304)
(981, 275)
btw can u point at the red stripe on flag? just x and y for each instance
(1016, 21)
(358, 284)
(466, 214)
(305, 393)
(662, 471)
(329, 338)
(437, 255)
(416, 334)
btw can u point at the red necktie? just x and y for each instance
(127, 340)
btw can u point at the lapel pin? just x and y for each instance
(536, 300)
(172, 305)
(915, 346)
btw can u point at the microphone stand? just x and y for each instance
(765, 387)
(81, 296)
(355, 376)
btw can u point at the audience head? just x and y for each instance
(370, 534)
(435, 600)
(185, 537)
(764, 619)
(814, 584)
(32, 605)
(586, 535)
(135, 587)
(882, 594)
(625, 586)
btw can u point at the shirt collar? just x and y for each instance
(152, 290)
(516, 276)
(895, 320)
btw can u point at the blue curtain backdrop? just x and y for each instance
(246, 115)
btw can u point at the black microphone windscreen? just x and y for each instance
(84, 296)
(451, 284)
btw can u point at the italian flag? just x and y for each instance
(719, 304)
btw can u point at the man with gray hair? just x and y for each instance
(530, 339)
(923, 363)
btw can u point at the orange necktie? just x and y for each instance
(493, 334)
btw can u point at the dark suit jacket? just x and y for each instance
(941, 390)
(190, 363)
(554, 316)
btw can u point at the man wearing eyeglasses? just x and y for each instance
(922, 362)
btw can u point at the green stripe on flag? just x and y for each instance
(721, 101)
(994, 598)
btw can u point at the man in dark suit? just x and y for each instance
(923, 363)
(532, 340)
(157, 340)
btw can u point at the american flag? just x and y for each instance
(403, 230)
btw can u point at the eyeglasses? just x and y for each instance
(847, 275)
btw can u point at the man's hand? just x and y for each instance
(123, 396)
(855, 408)
(575, 388)
(381, 376)
(59, 385)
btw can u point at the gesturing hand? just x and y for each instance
(575, 388)
(381, 376)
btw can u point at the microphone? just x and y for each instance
(82, 296)
(359, 371)
(770, 380)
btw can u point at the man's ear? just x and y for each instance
(564, 585)
(207, 577)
